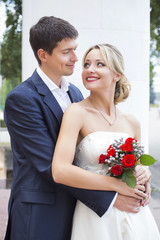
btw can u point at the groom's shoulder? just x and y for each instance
(71, 85)
(22, 93)
(78, 96)
(24, 88)
(74, 87)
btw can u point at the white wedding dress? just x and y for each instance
(114, 224)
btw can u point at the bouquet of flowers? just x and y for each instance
(122, 157)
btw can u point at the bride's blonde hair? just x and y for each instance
(114, 61)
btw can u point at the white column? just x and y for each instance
(123, 23)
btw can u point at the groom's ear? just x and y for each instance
(42, 55)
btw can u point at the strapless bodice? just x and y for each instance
(92, 146)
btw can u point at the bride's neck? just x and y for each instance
(103, 103)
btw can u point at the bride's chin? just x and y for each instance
(89, 87)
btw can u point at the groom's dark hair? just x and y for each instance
(48, 31)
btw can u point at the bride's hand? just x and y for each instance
(137, 192)
(142, 174)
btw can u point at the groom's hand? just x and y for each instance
(148, 192)
(127, 204)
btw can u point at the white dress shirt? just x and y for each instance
(59, 93)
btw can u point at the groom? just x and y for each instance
(39, 208)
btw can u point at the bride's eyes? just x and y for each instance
(100, 64)
(86, 65)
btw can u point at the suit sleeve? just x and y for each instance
(25, 119)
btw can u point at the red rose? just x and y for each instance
(129, 160)
(102, 158)
(127, 147)
(111, 152)
(109, 147)
(130, 140)
(116, 170)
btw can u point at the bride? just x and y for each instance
(87, 130)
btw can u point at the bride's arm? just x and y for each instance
(65, 173)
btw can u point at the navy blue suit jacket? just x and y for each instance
(40, 209)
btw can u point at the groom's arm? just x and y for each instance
(98, 201)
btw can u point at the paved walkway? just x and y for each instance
(4, 195)
(154, 146)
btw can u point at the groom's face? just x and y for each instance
(62, 60)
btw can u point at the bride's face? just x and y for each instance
(96, 75)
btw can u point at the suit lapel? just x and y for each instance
(72, 94)
(48, 97)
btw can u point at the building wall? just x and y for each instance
(123, 23)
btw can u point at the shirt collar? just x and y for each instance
(50, 84)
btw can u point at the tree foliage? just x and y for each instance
(154, 43)
(155, 29)
(11, 47)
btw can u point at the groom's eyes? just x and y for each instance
(66, 52)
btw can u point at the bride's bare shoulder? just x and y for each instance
(130, 119)
(77, 109)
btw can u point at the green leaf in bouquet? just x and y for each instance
(124, 176)
(129, 178)
(129, 172)
(147, 160)
(131, 181)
